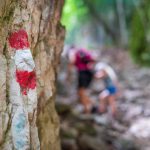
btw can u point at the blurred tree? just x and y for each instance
(122, 22)
(110, 16)
(140, 33)
(74, 16)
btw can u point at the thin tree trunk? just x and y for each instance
(100, 20)
(31, 39)
(122, 22)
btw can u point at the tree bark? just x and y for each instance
(31, 39)
(122, 22)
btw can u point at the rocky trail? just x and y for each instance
(131, 129)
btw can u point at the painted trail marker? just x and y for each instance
(23, 95)
(25, 73)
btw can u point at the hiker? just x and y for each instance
(83, 61)
(109, 95)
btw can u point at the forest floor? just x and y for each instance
(131, 129)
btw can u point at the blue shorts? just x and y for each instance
(112, 90)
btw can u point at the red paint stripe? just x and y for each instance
(26, 80)
(19, 40)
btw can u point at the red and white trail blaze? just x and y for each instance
(25, 73)
(23, 95)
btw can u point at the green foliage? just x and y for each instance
(140, 37)
(75, 14)
(104, 6)
(137, 38)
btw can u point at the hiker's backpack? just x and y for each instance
(83, 56)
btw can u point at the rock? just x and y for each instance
(140, 128)
(146, 112)
(139, 133)
(132, 95)
(78, 109)
(68, 137)
(132, 112)
(124, 144)
(86, 142)
(102, 119)
(118, 127)
(63, 109)
(68, 132)
(85, 117)
(86, 128)
(69, 144)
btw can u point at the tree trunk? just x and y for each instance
(101, 20)
(122, 22)
(31, 39)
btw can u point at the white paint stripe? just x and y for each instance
(15, 91)
(32, 100)
(20, 129)
(24, 60)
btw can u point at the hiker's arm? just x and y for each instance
(70, 67)
(100, 74)
(69, 72)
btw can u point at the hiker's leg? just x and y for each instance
(85, 100)
(103, 101)
(112, 103)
